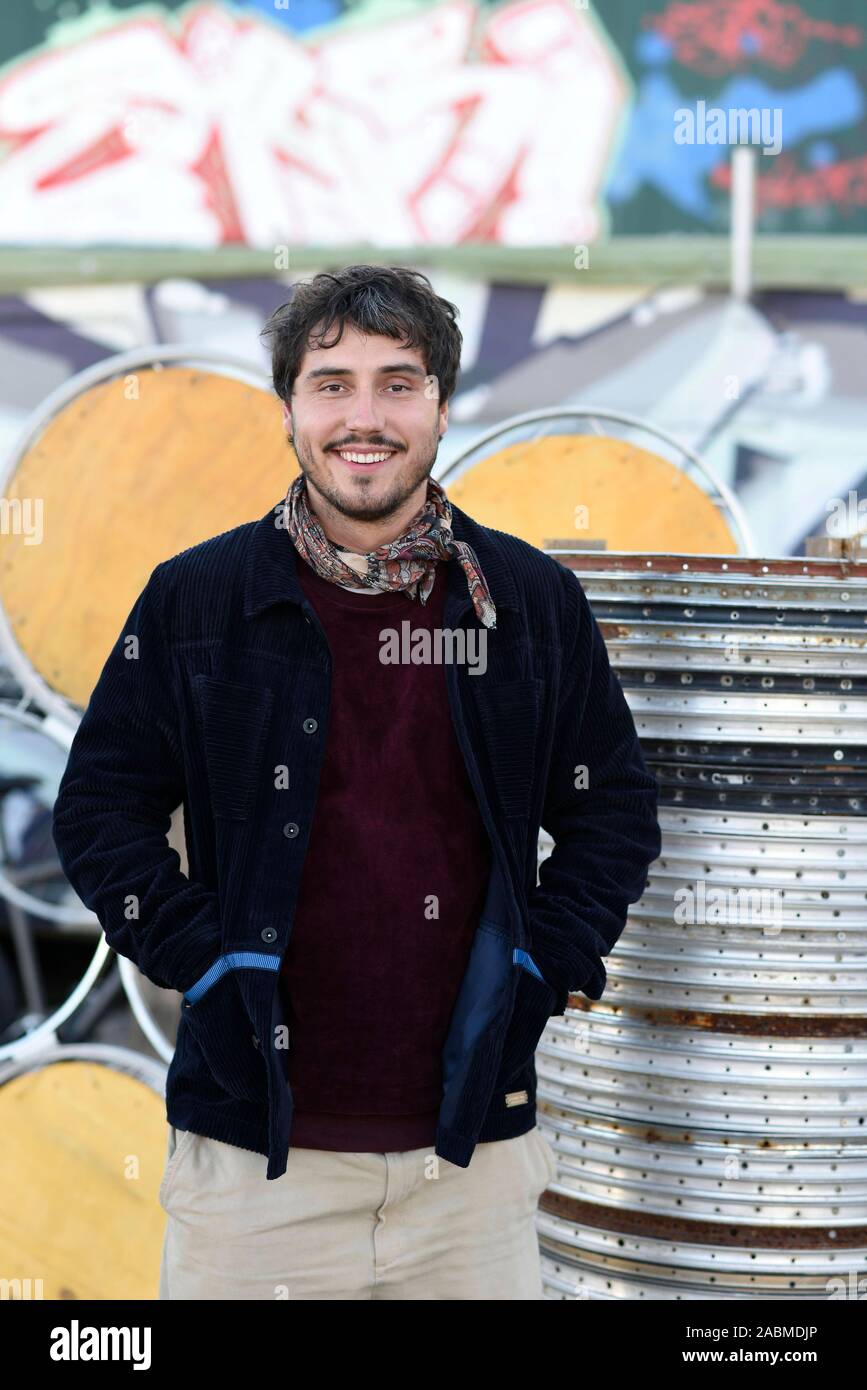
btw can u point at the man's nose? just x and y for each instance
(366, 413)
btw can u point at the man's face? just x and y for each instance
(365, 422)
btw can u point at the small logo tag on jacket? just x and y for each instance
(517, 1097)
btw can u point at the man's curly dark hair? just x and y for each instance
(388, 300)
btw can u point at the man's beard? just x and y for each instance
(362, 509)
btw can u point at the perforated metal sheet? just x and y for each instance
(709, 1113)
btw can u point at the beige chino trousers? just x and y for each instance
(352, 1225)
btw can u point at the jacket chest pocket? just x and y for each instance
(509, 715)
(234, 720)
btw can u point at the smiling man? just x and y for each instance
(366, 432)
(366, 951)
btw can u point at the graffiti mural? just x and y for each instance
(210, 127)
(536, 122)
(741, 56)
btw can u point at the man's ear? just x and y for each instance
(287, 418)
(444, 418)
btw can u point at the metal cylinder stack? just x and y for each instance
(709, 1113)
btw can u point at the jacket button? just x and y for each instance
(310, 726)
(268, 933)
(290, 830)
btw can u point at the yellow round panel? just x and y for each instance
(571, 489)
(130, 472)
(81, 1162)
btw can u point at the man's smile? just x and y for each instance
(363, 458)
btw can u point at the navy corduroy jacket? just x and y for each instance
(216, 696)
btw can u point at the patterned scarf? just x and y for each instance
(408, 563)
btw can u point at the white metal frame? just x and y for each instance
(153, 356)
(714, 487)
(62, 717)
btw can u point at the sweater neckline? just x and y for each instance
(341, 597)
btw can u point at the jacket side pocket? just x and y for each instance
(535, 1002)
(222, 1030)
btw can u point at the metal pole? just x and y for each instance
(742, 219)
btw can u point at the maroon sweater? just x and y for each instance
(372, 969)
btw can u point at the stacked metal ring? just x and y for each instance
(709, 1113)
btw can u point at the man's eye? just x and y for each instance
(332, 386)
